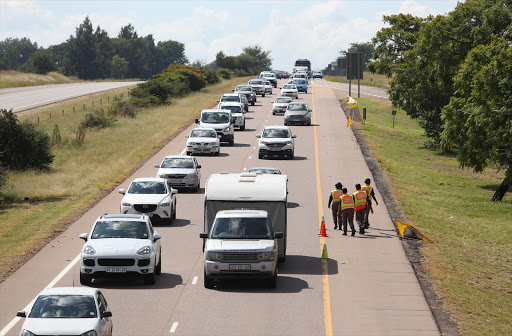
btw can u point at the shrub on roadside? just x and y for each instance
(99, 119)
(123, 109)
(22, 145)
(186, 74)
(225, 73)
(151, 93)
(210, 75)
(3, 178)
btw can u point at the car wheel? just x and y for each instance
(308, 124)
(297, 97)
(290, 156)
(273, 113)
(272, 282)
(263, 95)
(188, 153)
(252, 103)
(208, 282)
(158, 268)
(242, 128)
(150, 279)
(231, 142)
(85, 280)
(260, 156)
(217, 153)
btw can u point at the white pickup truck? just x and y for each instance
(241, 244)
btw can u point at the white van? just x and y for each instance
(221, 121)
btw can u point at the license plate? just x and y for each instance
(275, 149)
(116, 270)
(240, 267)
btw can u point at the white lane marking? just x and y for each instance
(15, 320)
(194, 281)
(254, 147)
(245, 168)
(368, 94)
(183, 151)
(174, 326)
(250, 157)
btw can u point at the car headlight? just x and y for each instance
(25, 332)
(88, 249)
(213, 256)
(191, 175)
(227, 129)
(266, 256)
(144, 250)
(263, 143)
(125, 204)
(166, 204)
(308, 115)
(287, 143)
(89, 333)
(162, 175)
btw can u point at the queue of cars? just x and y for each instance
(126, 244)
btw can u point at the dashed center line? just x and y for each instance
(174, 326)
(194, 281)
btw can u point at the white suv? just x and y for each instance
(237, 113)
(151, 196)
(276, 141)
(121, 245)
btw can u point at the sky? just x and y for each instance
(289, 29)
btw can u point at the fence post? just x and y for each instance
(93, 103)
(108, 99)
(62, 112)
(38, 120)
(73, 109)
(394, 114)
(101, 101)
(84, 107)
(50, 116)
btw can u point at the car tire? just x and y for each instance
(252, 103)
(231, 142)
(150, 279)
(208, 282)
(189, 153)
(297, 97)
(308, 124)
(85, 280)
(290, 156)
(217, 153)
(273, 113)
(263, 95)
(272, 282)
(158, 268)
(242, 128)
(260, 156)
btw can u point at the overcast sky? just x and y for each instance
(289, 29)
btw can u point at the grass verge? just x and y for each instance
(44, 204)
(470, 259)
(10, 78)
(369, 79)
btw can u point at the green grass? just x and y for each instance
(45, 203)
(10, 78)
(369, 79)
(470, 258)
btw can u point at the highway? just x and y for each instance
(366, 287)
(25, 98)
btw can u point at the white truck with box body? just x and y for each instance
(249, 191)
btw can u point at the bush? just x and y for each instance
(189, 75)
(123, 109)
(99, 119)
(56, 136)
(210, 75)
(22, 145)
(225, 73)
(3, 178)
(151, 93)
(80, 134)
(145, 102)
(41, 62)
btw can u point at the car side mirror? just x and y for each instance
(203, 235)
(21, 314)
(294, 136)
(272, 102)
(309, 110)
(217, 101)
(156, 236)
(122, 191)
(83, 236)
(258, 136)
(196, 121)
(278, 235)
(232, 90)
(156, 166)
(198, 166)
(174, 191)
(186, 136)
(106, 314)
(219, 136)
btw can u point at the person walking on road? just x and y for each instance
(360, 205)
(347, 212)
(371, 194)
(335, 198)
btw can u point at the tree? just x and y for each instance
(80, 58)
(15, 52)
(167, 53)
(58, 51)
(263, 59)
(41, 63)
(365, 48)
(118, 66)
(478, 119)
(127, 32)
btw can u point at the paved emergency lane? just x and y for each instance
(371, 283)
(24, 98)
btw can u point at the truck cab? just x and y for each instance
(241, 244)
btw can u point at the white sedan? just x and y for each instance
(68, 311)
(204, 141)
(268, 86)
(289, 90)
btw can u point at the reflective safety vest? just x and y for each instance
(360, 197)
(347, 202)
(336, 195)
(368, 189)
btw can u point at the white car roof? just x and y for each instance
(149, 179)
(211, 110)
(254, 187)
(241, 213)
(69, 291)
(277, 127)
(229, 104)
(204, 128)
(178, 156)
(231, 94)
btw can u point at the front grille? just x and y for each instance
(144, 208)
(144, 262)
(176, 176)
(296, 116)
(116, 262)
(239, 257)
(275, 145)
(88, 262)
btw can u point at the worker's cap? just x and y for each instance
(338, 185)
(367, 181)
(358, 186)
(344, 190)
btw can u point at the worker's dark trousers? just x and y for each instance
(360, 215)
(367, 214)
(336, 215)
(347, 215)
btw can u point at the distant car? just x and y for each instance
(280, 104)
(237, 113)
(318, 74)
(121, 245)
(297, 113)
(245, 101)
(68, 311)
(270, 76)
(301, 84)
(276, 141)
(180, 171)
(151, 196)
(290, 90)
(247, 91)
(268, 86)
(265, 170)
(203, 141)
(257, 86)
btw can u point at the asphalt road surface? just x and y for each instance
(366, 287)
(25, 98)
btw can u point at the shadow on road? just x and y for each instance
(285, 284)
(291, 205)
(164, 280)
(298, 264)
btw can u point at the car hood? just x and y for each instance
(60, 326)
(281, 105)
(215, 126)
(145, 198)
(289, 90)
(117, 246)
(175, 171)
(246, 245)
(200, 139)
(296, 112)
(268, 140)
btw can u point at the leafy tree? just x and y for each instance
(186, 74)
(365, 48)
(167, 53)
(127, 32)
(118, 66)
(263, 59)
(58, 51)
(41, 63)
(252, 60)
(15, 52)
(478, 119)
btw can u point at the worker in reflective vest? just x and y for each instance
(371, 194)
(360, 205)
(347, 211)
(335, 198)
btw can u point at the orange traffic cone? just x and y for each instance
(322, 233)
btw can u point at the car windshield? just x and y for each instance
(215, 117)
(283, 100)
(120, 229)
(255, 81)
(243, 88)
(289, 87)
(267, 83)
(276, 133)
(64, 306)
(265, 171)
(234, 109)
(203, 133)
(177, 163)
(149, 187)
(299, 81)
(230, 99)
(240, 228)
(297, 107)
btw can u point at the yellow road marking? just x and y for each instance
(325, 268)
